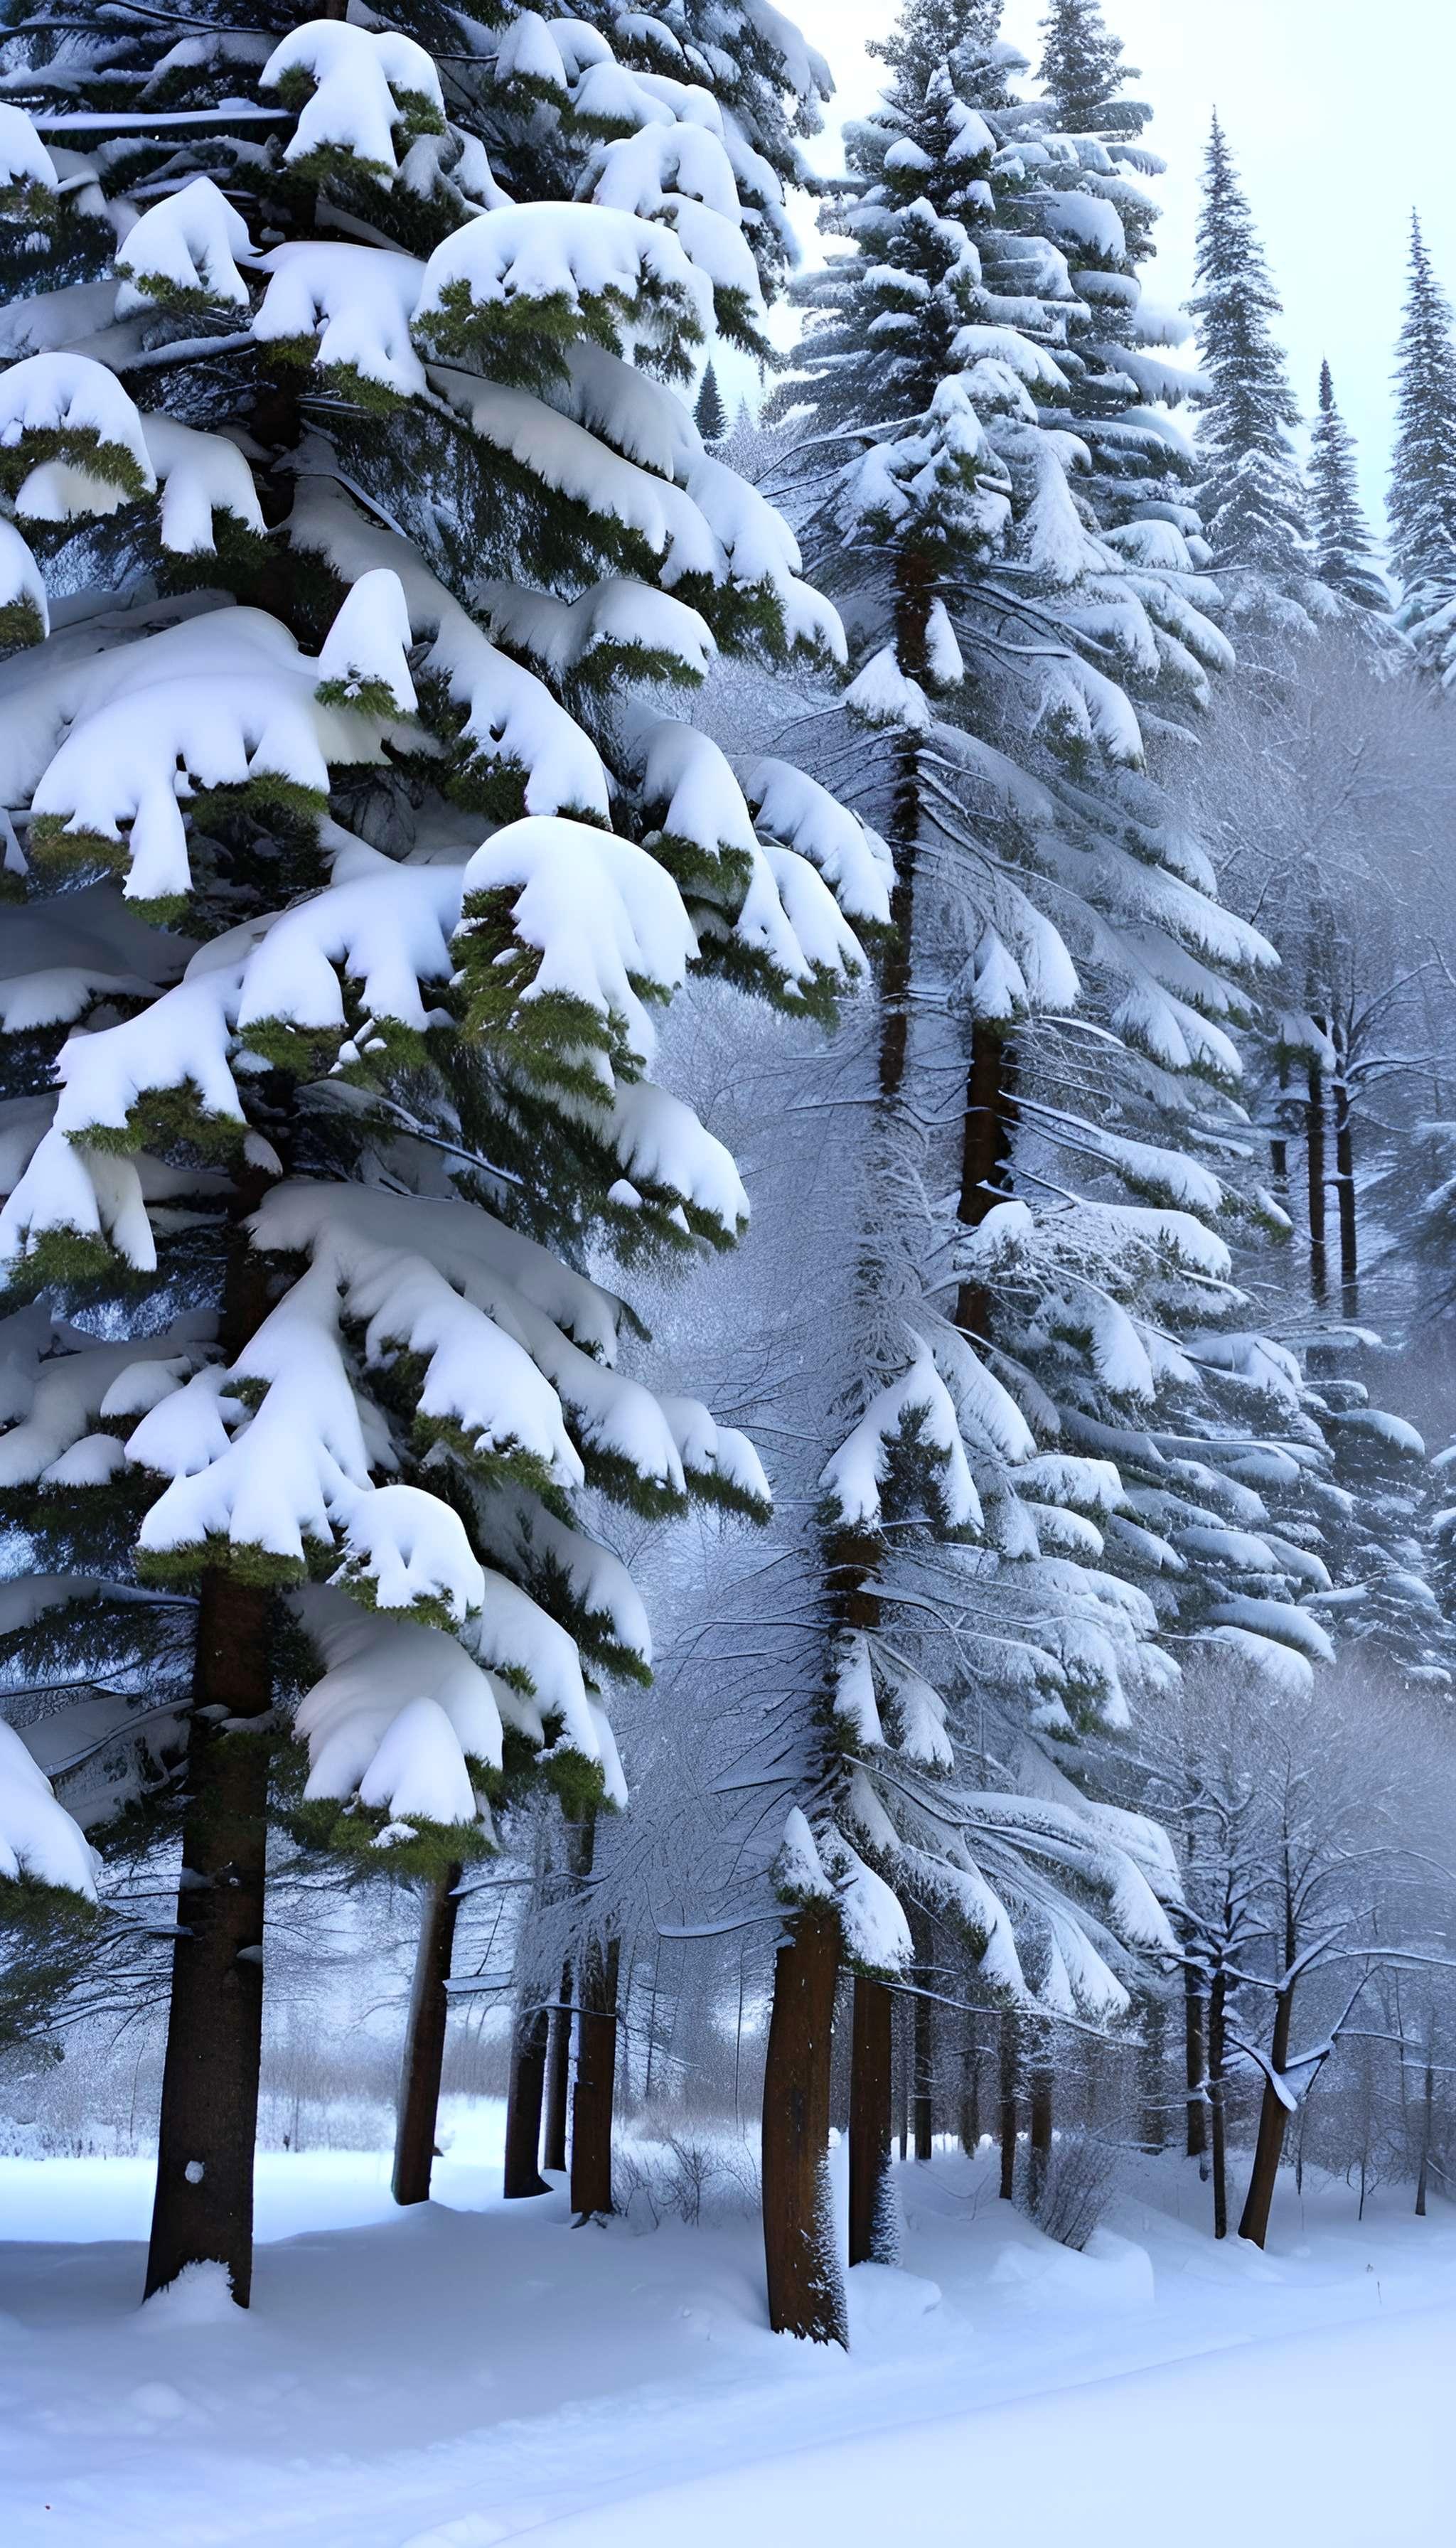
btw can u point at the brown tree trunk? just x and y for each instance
(923, 2044)
(970, 2102)
(1195, 2057)
(558, 2077)
(871, 2090)
(523, 2104)
(1218, 2133)
(1273, 2113)
(203, 2206)
(1007, 2116)
(1040, 2151)
(1345, 1188)
(597, 2061)
(424, 2043)
(805, 2288)
(913, 592)
(988, 1129)
(1314, 1120)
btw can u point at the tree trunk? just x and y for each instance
(913, 592)
(1279, 1140)
(1425, 2131)
(424, 2043)
(1007, 2117)
(1217, 2118)
(558, 2077)
(805, 2290)
(1040, 2158)
(203, 2206)
(923, 2044)
(523, 2104)
(1195, 2057)
(1273, 2123)
(597, 2061)
(1314, 1120)
(970, 2102)
(871, 2091)
(1153, 2068)
(1345, 1188)
(986, 1133)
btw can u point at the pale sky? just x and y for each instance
(1343, 116)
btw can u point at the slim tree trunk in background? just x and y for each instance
(1279, 1140)
(203, 2208)
(597, 2063)
(523, 2104)
(1427, 2102)
(1154, 2071)
(970, 2101)
(203, 2204)
(872, 2075)
(805, 2289)
(923, 2044)
(558, 2077)
(424, 2041)
(1195, 2053)
(1345, 1188)
(1039, 2141)
(1315, 1122)
(1218, 2133)
(1006, 2120)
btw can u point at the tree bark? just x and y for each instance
(1218, 2132)
(597, 2061)
(1344, 1189)
(1425, 2132)
(203, 2206)
(970, 2102)
(805, 2289)
(1195, 2057)
(523, 2104)
(988, 1129)
(424, 2043)
(1315, 1122)
(1279, 1140)
(1040, 2151)
(1007, 2116)
(558, 2077)
(914, 593)
(1153, 2068)
(872, 2238)
(923, 2044)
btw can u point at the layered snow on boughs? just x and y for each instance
(362, 564)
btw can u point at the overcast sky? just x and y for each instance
(1340, 113)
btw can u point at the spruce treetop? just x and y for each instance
(1344, 549)
(1083, 72)
(1423, 489)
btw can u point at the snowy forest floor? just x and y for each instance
(474, 2371)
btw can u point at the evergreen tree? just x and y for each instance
(1083, 72)
(709, 414)
(1033, 1354)
(358, 852)
(1345, 556)
(1251, 495)
(1422, 494)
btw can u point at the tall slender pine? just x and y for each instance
(1422, 492)
(1344, 553)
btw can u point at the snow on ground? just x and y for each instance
(474, 2371)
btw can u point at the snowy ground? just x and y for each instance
(471, 2372)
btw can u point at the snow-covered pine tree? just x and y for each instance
(710, 413)
(358, 843)
(1252, 493)
(1344, 552)
(1423, 489)
(1083, 73)
(974, 440)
